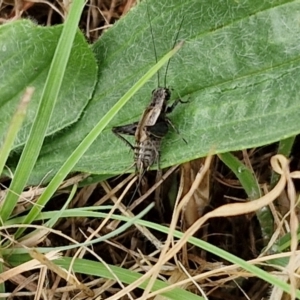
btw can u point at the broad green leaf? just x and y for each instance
(239, 68)
(26, 52)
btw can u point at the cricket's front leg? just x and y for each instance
(175, 103)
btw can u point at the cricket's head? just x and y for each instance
(160, 96)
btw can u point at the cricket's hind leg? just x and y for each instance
(128, 129)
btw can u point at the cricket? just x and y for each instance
(153, 124)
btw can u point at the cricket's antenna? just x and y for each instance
(175, 41)
(137, 186)
(152, 36)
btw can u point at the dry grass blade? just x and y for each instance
(200, 199)
(232, 270)
(114, 190)
(153, 272)
(165, 254)
(279, 164)
(126, 212)
(30, 265)
(60, 272)
(29, 197)
(153, 188)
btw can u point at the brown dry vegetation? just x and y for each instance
(140, 248)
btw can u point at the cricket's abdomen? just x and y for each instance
(146, 154)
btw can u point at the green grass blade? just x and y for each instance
(15, 125)
(244, 175)
(251, 187)
(47, 103)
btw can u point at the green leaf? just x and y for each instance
(239, 67)
(45, 110)
(26, 53)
